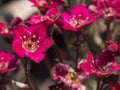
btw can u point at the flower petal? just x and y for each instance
(36, 57)
(17, 47)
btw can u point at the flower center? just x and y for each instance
(42, 3)
(3, 65)
(109, 12)
(31, 44)
(73, 77)
(51, 18)
(77, 22)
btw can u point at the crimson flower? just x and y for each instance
(45, 4)
(101, 67)
(78, 18)
(63, 73)
(4, 30)
(50, 17)
(7, 30)
(107, 8)
(7, 62)
(31, 41)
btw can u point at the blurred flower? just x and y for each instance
(78, 18)
(31, 41)
(63, 73)
(46, 4)
(107, 8)
(115, 87)
(104, 65)
(4, 30)
(7, 62)
(7, 31)
(50, 17)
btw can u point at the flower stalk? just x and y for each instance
(28, 77)
(4, 82)
(57, 52)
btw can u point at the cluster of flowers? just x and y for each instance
(32, 38)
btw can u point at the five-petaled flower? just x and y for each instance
(7, 62)
(63, 73)
(31, 41)
(104, 65)
(50, 17)
(78, 18)
(107, 8)
(46, 4)
(4, 30)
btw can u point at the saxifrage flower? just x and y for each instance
(4, 30)
(63, 73)
(101, 67)
(107, 8)
(46, 4)
(7, 62)
(50, 17)
(31, 41)
(78, 18)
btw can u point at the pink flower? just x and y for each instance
(50, 17)
(7, 62)
(105, 64)
(45, 4)
(78, 18)
(63, 73)
(31, 41)
(4, 30)
(107, 8)
(8, 30)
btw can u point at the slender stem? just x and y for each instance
(77, 44)
(69, 3)
(57, 52)
(98, 84)
(28, 75)
(4, 82)
(109, 33)
(76, 58)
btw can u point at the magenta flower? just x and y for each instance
(105, 64)
(63, 73)
(50, 17)
(7, 62)
(31, 41)
(4, 30)
(46, 4)
(107, 8)
(78, 18)
(8, 30)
